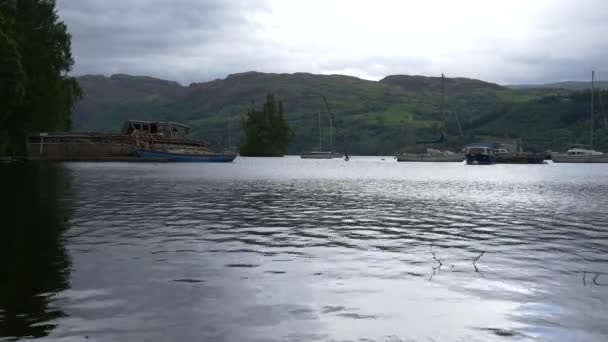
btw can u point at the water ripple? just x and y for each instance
(338, 254)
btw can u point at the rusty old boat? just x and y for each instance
(136, 135)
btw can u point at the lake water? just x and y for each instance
(304, 250)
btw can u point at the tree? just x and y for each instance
(35, 93)
(12, 76)
(266, 132)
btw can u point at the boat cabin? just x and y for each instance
(582, 152)
(478, 150)
(481, 148)
(499, 147)
(165, 129)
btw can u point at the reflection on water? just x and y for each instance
(299, 250)
(33, 262)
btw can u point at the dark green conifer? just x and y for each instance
(266, 132)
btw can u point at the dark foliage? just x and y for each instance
(35, 92)
(266, 131)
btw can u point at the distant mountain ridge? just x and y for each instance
(571, 85)
(379, 117)
(414, 82)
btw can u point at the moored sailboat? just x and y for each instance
(584, 153)
(320, 154)
(431, 154)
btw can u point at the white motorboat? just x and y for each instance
(583, 153)
(580, 155)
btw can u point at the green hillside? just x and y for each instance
(377, 117)
(570, 85)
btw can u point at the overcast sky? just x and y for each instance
(503, 41)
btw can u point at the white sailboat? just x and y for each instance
(434, 155)
(320, 154)
(431, 155)
(583, 153)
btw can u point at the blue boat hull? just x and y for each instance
(187, 158)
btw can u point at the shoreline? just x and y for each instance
(22, 159)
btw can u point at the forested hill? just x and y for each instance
(377, 117)
(572, 85)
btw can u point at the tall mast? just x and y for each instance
(331, 141)
(229, 137)
(444, 113)
(592, 114)
(339, 130)
(442, 97)
(458, 123)
(602, 108)
(320, 137)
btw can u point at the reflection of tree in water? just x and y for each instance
(33, 261)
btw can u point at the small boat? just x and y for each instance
(520, 158)
(431, 155)
(508, 154)
(580, 155)
(435, 155)
(480, 154)
(321, 155)
(584, 153)
(188, 156)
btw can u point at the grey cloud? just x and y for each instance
(565, 43)
(377, 67)
(198, 40)
(552, 65)
(183, 40)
